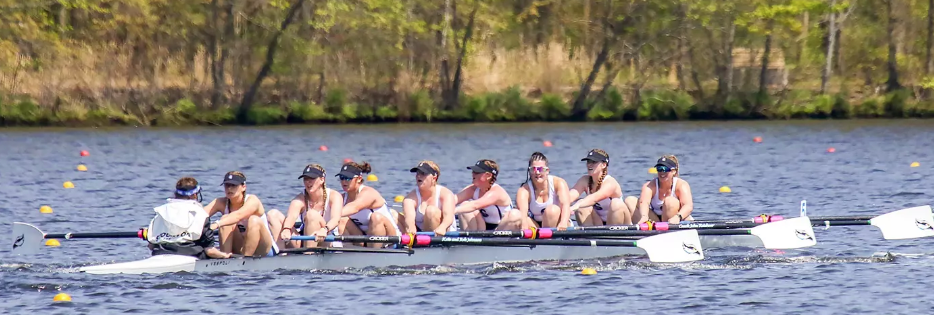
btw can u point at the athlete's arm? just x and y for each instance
(365, 199)
(687, 201)
(448, 200)
(249, 208)
(645, 197)
(408, 210)
(564, 201)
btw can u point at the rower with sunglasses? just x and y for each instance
(668, 196)
(544, 196)
(364, 206)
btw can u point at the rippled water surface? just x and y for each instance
(851, 270)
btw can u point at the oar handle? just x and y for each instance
(141, 233)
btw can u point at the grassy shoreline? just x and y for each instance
(506, 106)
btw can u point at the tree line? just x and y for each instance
(275, 61)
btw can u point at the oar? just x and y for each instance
(915, 222)
(680, 246)
(786, 234)
(27, 238)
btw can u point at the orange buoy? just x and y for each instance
(757, 139)
(348, 160)
(546, 143)
(323, 148)
(85, 153)
(831, 150)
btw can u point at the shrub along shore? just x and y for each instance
(506, 106)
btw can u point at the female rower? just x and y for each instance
(430, 206)
(544, 196)
(604, 195)
(243, 226)
(317, 209)
(668, 196)
(486, 205)
(364, 206)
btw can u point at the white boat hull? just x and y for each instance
(432, 256)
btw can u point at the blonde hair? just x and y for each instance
(324, 184)
(677, 164)
(602, 177)
(434, 167)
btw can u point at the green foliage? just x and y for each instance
(74, 62)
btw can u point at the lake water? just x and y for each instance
(131, 170)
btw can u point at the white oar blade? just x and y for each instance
(786, 234)
(672, 247)
(906, 223)
(27, 239)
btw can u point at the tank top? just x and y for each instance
(326, 213)
(602, 207)
(536, 209)
(362, 217)
(656, 204)
(420, 215)
(243, 222)
(492, 214)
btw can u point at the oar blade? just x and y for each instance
(786, 234)
(27, 238)
(906, 223)
(673, 247)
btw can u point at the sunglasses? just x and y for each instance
(664, 169)
(538, 169)
(342, 177)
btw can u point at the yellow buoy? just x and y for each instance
(82, 168)
(652, 170)
(399, 198)
(371, 178)
(45, 209)
(725, 189)
(62, 297)
(68, 185)
(588, 271)
(915, 164)
(52, 242)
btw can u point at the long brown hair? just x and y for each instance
(364, 168)
(590, 181)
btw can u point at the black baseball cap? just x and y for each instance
(596, 157)
(235, 179)
(312, 172)
(663, 161)
(349, 170)
(481, 167)
(424, 168)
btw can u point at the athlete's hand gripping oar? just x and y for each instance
(678, 246)
(786, 234)
(27, 238)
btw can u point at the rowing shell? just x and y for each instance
(430, 256)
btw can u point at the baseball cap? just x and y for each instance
(482, 167)
(596, 157)
(234, 179)
(424, 168)
(312, 172)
